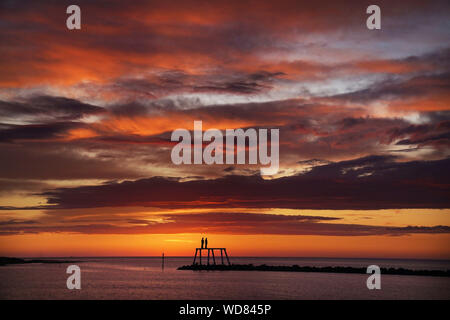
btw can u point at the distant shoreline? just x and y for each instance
(238, 257)
(7, 261)
(296, 268)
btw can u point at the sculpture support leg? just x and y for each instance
(227, 257)
(199, 253)
(195, 257)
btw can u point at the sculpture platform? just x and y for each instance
(198, 252)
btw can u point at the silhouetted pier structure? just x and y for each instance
(198, 252)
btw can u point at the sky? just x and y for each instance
(86, 118)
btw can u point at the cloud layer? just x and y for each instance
(86, 116)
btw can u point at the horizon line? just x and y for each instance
(168, 256)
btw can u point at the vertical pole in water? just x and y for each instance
(208, 256)
(214, 258)
(163, 261)
(221, 254)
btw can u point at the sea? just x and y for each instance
(144, 278)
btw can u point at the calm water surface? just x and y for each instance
(142, 278)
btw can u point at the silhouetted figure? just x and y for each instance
(203, 241)
(206, 243)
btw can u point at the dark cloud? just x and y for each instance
(47, 107)
(16, 222)
(314, 162)
(436, 116)
(43, 161)
(225, 223)
(130, 109)
(10, 133)
(175, 81)
(20, 186)
(397, 89)
(244, 84)
(307, 131)
(438, 59)
(430, 133)
(375, 182)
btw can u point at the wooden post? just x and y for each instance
(227, 257)
(208, 255)
(221, 254)
(214, 258)
(195, 257)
